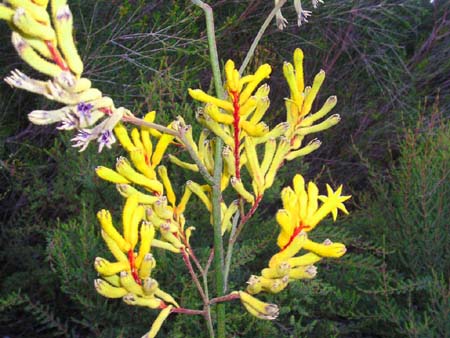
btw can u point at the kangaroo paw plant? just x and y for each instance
(235, 139)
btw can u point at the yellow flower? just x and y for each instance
(301, 210)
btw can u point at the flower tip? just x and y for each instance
(298, 54)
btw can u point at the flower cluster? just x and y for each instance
(151, 218)
(237, 121)
(300, 214)
(45, 42)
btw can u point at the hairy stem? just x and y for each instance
(216, 193)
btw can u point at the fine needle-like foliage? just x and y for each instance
(153, 215)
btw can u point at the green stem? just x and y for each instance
(216, 192)
(230, 251)
(259, 35)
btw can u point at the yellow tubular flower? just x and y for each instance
(331, 204)
(182, 164)
(6, 13)
(269, 151)
(136, 137)
(127, 215)
(184, 200)
(274, 285)
(149, 285)
(214, 112)
(309, 99)
(291, 250)
(84, 84)
(303, 272)
(110, 175)
(104, 267)
(105, 220)
(127, 281)
(308, 149)
(262, 105)
(276, 132)
(23, 19)
(327, 249)
(228, 214)
(122, 135)
(197, 189)
(188, 233)
(254, 285)
(232, 76)
(253, 163)
(258, 308)
(326, 108)
(239, 187)
(146, 142)
(124, 168)
(287, 225)
(114, 280)
(298, 66)
(136, 219)
(32, 58)
(297, 98)
(152, 217)
(139, 160)
(255, 130)
(34, 15)
(283, 148)
(127, 190)
(229, 160)
(63, 22)
(261, 73)
(328, 123)
(306, 259)
(161, 208)
(217, 129)
(39, 46)
(147, 233)
(166, 297)
(152, 303)
(168, 235)
(165, 245)
(200, 95)
(248, 107)
(146, 267)
(114, 248)
(107, 290)
(156, 326)
(280, 270)
(162, 171)
(150, 117)
(160, 149)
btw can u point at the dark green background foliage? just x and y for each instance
(388, 63)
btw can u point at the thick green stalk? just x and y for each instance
(216, 193)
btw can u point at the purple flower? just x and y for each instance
(85, 109)
(82, 139)
(106, 138)
(68, 123)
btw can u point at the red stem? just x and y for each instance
(294, 234)
(226, 298)
(245, 218)
(187, 261)
(187, 311)
(236, 116)
(133, 269)
(56, 56)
